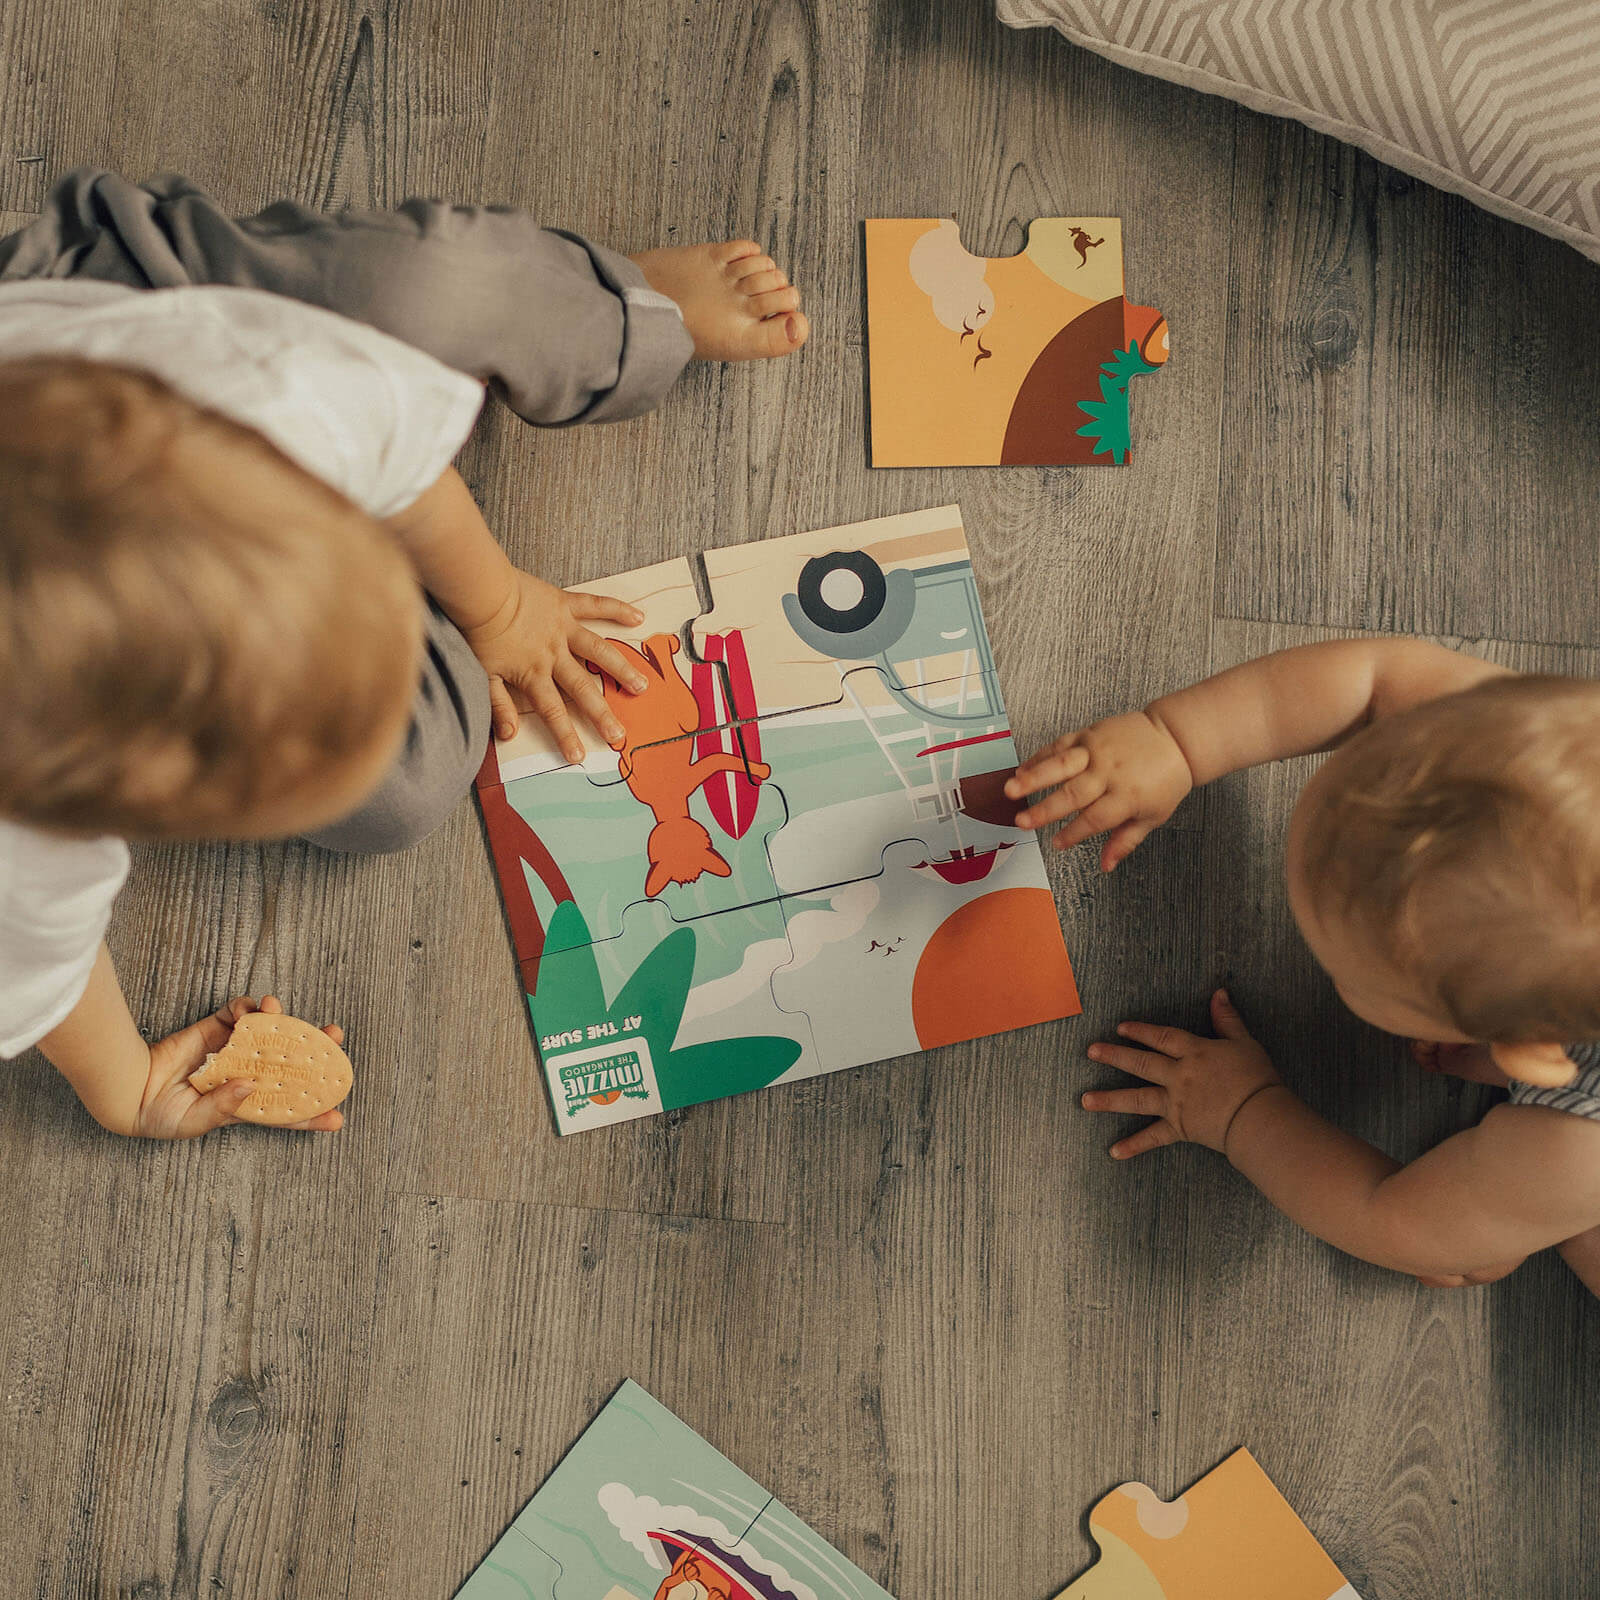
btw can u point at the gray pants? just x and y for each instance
(562, 330)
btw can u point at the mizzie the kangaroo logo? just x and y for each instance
(601, 1083)
(603, 1075)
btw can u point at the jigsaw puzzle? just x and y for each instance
(1232, 1536)
(1022, 360)
(801, 859)
(642, 1508)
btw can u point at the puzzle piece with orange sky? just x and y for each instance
(1231, 1536)
(1020, 360)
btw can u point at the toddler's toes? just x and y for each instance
(735, 250)
(763, 282)
(749, 266)
(769, 305)
(783, 335)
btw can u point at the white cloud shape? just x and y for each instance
(637, 1516)
(944, 270)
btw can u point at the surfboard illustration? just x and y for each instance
(725, 697)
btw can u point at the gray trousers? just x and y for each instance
(562, 330)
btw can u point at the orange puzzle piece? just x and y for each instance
(1232, 1536)
(1022, 360)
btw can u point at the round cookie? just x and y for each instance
(299, 1071)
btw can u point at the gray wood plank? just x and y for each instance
(1410, 439)
(57, 66)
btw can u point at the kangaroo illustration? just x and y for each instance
(1084, 244)
(659, 765)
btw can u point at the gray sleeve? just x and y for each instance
(564, 330)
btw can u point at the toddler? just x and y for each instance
(243, 593)
(1444, 867)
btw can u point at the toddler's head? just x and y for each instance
(1444, 866)
(197, 638)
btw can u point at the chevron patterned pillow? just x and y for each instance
(1494, 99)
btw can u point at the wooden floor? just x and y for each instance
(916, 1300)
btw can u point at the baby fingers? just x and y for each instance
(1142, 1102)
(1172, 1042)
(1071, 796)
(1107, 812)
(1054, 765)
(552, 710)
(585, 693)
(502, 709)
(1152, 1136)
(1122, 843)
(1144, 1064)
(605, 608)
(587, 645)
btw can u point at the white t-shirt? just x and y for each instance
(374, 418)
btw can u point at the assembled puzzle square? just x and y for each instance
(642, 1508)
(1022, 360)
(801, 858)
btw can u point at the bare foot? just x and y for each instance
(736, 304)
(1470, 1061)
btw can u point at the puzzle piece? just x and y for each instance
(558, 837)
(1231, 1536)
(896, 593)
(642, 1508)
(1017, 360)
(663, 1015)
(929, 952)
(667, 595)
(779, 1544)
(854, 705)
(885, 765)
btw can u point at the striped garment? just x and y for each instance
(1493, 99)
(1581, 1097)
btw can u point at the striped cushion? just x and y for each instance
(1498, 100)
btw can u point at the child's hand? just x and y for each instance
(1194, 1086)
(170, 1109)
(1126, 774)
(534, 649)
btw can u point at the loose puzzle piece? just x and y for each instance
(1232, 1536)
(852, 706)
(642, 1508)
(1019, 360)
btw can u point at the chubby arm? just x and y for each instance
(531, 637)
(1127, 774)
(1525, 1178)
(100, 1051)
(140, 1089)
(1310, 698)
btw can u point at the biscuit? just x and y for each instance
(299, 1071)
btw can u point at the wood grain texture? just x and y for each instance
(916, 1300)
(1410, 438)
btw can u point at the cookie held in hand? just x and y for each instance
(299, 1071)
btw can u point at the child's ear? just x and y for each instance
(1542, 1064)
